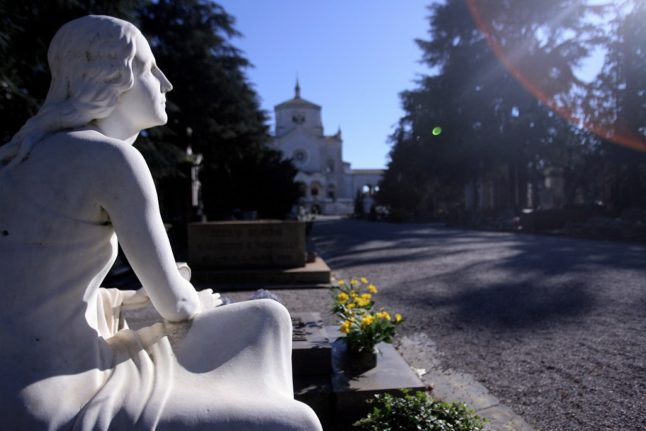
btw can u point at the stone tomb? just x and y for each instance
(322, 379)
(311, 348)
(352, 390)
(247, 244)
(312, 364)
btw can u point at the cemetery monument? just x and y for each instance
(75, 355)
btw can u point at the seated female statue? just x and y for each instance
(70, 183)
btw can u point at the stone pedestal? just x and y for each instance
(311, 348)
(312, 364)
(352, 390)
(313, 275)
(322, 379)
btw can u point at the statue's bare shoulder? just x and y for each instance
(100, 158)
(92, 146)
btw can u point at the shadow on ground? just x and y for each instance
(530, 281)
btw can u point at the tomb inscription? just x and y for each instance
(247, 244)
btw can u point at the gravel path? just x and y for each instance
(553, 327)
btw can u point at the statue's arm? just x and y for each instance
(128, 195)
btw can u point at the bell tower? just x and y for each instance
(298, 113)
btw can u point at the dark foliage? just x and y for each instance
(26, 27)
(249, 182)
(213, 108)
(417, 411)
(503, 107)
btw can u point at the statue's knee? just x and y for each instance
(308, 419)
(273, 313)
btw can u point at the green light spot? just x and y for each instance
(436, 131)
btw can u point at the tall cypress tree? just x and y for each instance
(616, 105)
(214, 102)
(26, 28)
(213, 108)
(482, 96)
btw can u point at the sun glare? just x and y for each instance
(573, 93)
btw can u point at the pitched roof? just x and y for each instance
(297, 101)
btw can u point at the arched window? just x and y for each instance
(331, 191)
(329, 166)
(302, 188)
(315, 189)
(298, 118)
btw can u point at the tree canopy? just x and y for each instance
(26, 27)
(505, 94)
(213, 108)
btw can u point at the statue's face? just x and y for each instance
(144, 105)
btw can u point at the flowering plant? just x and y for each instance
(362, 325)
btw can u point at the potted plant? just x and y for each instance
(363, 326)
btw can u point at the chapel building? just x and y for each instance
(329, 184)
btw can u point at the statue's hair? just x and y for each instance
(90, 59)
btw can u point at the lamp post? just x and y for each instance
(195, 160)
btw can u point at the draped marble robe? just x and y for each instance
(77, 356)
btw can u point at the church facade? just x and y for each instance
(329, 184)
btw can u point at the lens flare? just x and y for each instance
(620, 136)
(437, 131)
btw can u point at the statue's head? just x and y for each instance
(95, 62)
(90, 59)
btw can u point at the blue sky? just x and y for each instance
(352, 57)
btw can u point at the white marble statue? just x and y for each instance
(70, 183)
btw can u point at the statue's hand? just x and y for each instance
(135, 297)
(184, 270)
(208, 299)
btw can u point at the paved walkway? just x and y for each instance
(452, 385)
(555, 328)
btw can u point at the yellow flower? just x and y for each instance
(341, 282)
(383, 315)
(354, 282)
(351, 305)
(372, 288)
(363, 301)
(367, 321)
(354, 294)
(342, 297)
(345, 327)
(398, 317)
(364, 280)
